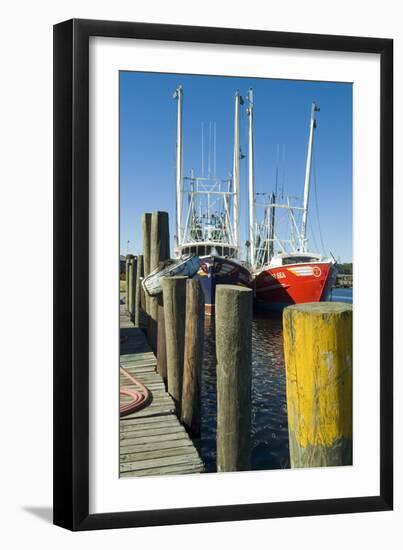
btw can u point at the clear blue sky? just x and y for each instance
(282, 111)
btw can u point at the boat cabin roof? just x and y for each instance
(295, 258)
(206, 248)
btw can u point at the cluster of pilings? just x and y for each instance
(317, 348)
(173, 320)
(318, 362)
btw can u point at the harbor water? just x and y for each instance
(269, 409)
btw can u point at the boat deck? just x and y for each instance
(152, 440)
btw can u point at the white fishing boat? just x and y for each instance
(207, 209)
(186, 265)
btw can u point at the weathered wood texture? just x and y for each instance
(193, 357)
(234, 306)
(159, 251)
(132, 285)
(174, 294)
(152, 440)
(318, 359)
(128, 286)
(161, 341)
(146, 231)
(159, 246)
(138, 313)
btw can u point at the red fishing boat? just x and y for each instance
(292, 275)
(294, 279)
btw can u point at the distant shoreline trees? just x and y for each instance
(345, 268)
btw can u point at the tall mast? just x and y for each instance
(235, 169)
(271, 226)
(312, 126)
(178, 94)
(251, 178)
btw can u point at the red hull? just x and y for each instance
(281, 286)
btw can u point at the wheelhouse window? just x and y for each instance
(299, 260)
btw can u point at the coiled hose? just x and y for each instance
(139, 398)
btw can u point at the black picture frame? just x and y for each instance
(71, 274)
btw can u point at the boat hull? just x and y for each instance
(185, 266)
(278, 287)
(216, 270)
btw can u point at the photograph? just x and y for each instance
(236, 274)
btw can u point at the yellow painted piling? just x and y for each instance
(318, 361)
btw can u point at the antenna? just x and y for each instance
(312, 126)
(178, 95)
(215, 145)
(284, 171)
(277, 163)
(251, 178)
(209, 150)
(202, 148)
(235, 171)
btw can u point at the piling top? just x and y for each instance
(159, 212)
(232, 288)
(175, 281)
(320, 308)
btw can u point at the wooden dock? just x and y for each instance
(152, 440)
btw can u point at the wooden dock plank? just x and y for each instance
(161, 453)
(173, 444)
(176, 469)
(157, 462)
(152, 440)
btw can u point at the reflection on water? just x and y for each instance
(269, 409)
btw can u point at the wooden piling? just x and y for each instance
(174, 295)
(159, 251)
(146, 229)
(159, 242)
(128, 286)
(234, 306)
(161, 341)
(132, 285)
(193, 357)
(139, 291)
(318, 359)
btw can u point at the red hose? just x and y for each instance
(139, 400)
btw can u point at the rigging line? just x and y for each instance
(215, 149)
(284, 174)
(277, 163)
(209, 152)
(202, 148)
(312, 234)
(317, 207)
